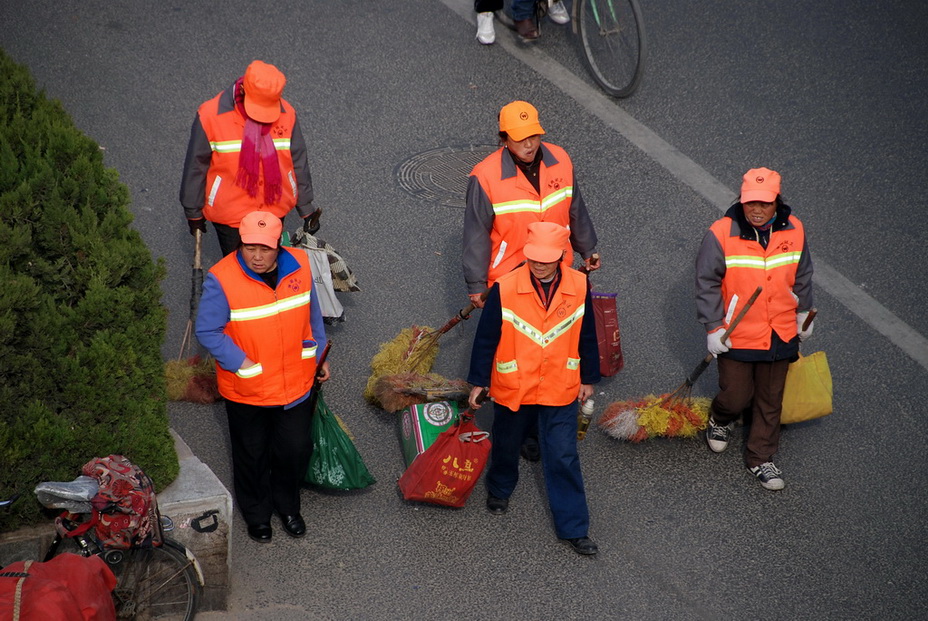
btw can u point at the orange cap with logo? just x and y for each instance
(760, 184)
(519, 119)
(546, 242)
(264, 85)
(260, 227)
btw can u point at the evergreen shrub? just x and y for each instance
(81, 323)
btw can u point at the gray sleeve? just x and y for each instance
(304, 181)
(802, 288)
(196, 165)
(710, 270)
(582, 234)
(478, 222)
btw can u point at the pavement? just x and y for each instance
(396, 98)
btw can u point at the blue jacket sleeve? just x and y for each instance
(589, 345)
(212, 317)
(486, 340)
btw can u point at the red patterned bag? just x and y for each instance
(125, 507)
(446, 473)
(611, 360)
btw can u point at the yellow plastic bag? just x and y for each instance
(808, 390)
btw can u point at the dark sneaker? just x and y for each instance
(718, 436)
(583, 545)
(497, 506)
(768, 475)
(526, 29)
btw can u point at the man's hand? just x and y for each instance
(474, 393)
(311, 222)
(197, 224)
(476, 299)
(593, 263)
(586, 391)
(714, 342)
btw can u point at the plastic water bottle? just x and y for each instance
(584, 417)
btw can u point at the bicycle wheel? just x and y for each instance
(614, 45)
(154, 583)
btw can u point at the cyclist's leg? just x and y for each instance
(483, 6)
(522, 9)
(485, 9)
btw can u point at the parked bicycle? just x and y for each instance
(153, 581)
(611, 36)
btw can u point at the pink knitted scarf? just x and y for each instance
(257, 150)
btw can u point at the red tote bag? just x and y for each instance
(611, 359)
(446, 473)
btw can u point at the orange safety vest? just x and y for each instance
(749, 265)
(226, 202)
(516, 204)
(537, 360)
(272, 327)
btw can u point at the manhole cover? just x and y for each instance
(440, 175)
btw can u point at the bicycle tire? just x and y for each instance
(612, 38)
(153, 583)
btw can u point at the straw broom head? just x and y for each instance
(391, 359)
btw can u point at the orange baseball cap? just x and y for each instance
(760, 184)
(264, 84)
(519, 119)
(260, 227)
(546, 242)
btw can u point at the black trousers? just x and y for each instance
(271, 448)
(228, 238)
(484, 6)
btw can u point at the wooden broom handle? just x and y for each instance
(741, 314)
(197, 261)
(709, 358)
(809, 318)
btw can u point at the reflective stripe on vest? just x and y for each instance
(309, 352)
(274, 308)
(754, 262)
(252, 371)
(234, 146)
(531, 206)
(530, 331)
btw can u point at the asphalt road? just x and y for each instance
(830, 93)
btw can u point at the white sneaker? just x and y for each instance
(485, 32)
(557, 12)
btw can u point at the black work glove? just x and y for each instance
(311, 222)
(198, 224)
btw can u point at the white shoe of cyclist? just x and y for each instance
(485, 31)
(557, 12)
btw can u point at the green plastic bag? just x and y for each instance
(335, 463)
